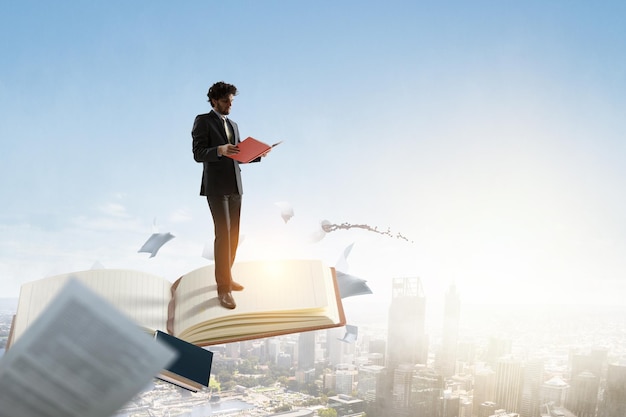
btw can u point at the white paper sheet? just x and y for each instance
(80, 358)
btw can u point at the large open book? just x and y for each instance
(280, 297)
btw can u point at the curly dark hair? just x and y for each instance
(220, 90)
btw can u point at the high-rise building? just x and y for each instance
(371, 382)
(498, 348)
(376, 359)
(232, 350)
(466, 352)
(259, 349)
(406, 337)
(530, 400)
(594, 361)
(461, 382)
(337, 350)
(329, 380)
(401, 390)
(465, 406)
(273, 349)
(508, 384)
(449, 405)
(484, 389)
(344, 380)
(305, 377)
(554, 391)
(447, 356)
(582, 398)
(306, 351)
(407, 344)
(291, 347)
(284, 360)
(378, 346)
(426, 398)
(614, 401)
(487, 409)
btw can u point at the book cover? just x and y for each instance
(250, 149)
(191, 369)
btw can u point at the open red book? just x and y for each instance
(250, 149)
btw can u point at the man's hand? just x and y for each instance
(227, 150)
(264, 154)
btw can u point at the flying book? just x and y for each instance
(80, 358)
(281, 297)
(191, 369)
(250, 149)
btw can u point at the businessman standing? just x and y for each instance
(215, 138)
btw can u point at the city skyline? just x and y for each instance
(545, 350)
(489, 134)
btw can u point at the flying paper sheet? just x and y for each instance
(208, 252)
(286, 210)
(80, 358)
(154, 243)
(342, 262)
(320, 232)
(351, 334)
(350, 285)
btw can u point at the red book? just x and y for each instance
(250, 149)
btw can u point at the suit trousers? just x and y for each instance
(226, 210)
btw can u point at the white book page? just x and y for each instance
(80, 358)
(143, 297)
(299, 287)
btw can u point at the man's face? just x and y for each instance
(222, 106)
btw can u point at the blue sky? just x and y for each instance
(490, 133)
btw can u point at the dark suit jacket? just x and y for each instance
(221, 175)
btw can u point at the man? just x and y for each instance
(215, 138)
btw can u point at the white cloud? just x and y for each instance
(114, 209)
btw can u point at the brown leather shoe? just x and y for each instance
(226, 300)
(235, 286)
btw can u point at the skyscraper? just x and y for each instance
(487, 409)
(306, 351)
(371, 382)
(407, 344)
(446, 359)
(508, 384)
(531, 388)
(378, 346)
(498, 347)
(427, 398)
(484, 389)
(554, 391)
(406, 338)
(586, 374)
(594, 362)
(401, 390)
(345, 377)
(337, 350)
(614, 402)
(449, 405)
(582, 398)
